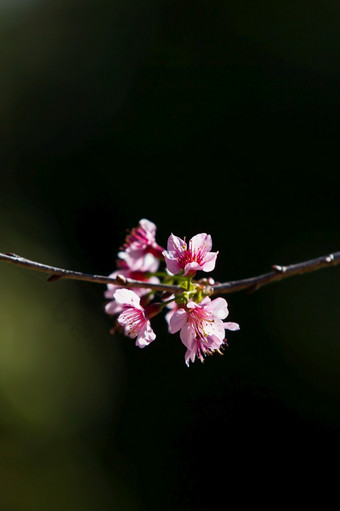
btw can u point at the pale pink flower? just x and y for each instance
(134, 318)
(202, 330)
(141, 251)
(192, 257)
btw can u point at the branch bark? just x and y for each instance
(60, 273)
(250, 284)
(278, 273)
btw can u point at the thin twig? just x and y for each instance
(277, 273)
(251, 284)
(60, 273)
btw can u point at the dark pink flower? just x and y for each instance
(192, 257)
(141, 251)
(202, 330)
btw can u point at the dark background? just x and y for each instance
(211, 116)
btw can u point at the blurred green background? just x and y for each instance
(211, 116)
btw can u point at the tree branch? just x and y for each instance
(60, 273)
(251, 284)
(278, 273)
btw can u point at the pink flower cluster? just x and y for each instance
(192, 313)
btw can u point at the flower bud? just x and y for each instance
(153, 309)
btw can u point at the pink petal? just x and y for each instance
(146, 336)
(150, 263)
(200, 241)
(112, 308)
(108, 293)
(219, 307)
(193, 305)
(190, 355)
(172, 263)
(205, 302)
(209, 261)
(168, 317)
(187, 336)
(149, 227)
(127, 297)
(215, 329)
(176, 244)
(177, 320)
(231, 326)
(215, 342)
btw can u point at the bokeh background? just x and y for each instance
(211, 116)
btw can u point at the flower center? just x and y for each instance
(137, 235)
(201, 322)
(134, 321)
(190, 255)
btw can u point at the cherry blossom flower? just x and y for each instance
(141, 251)
(190, 311)
(134, 318)
(202, 330)
(192, 257)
